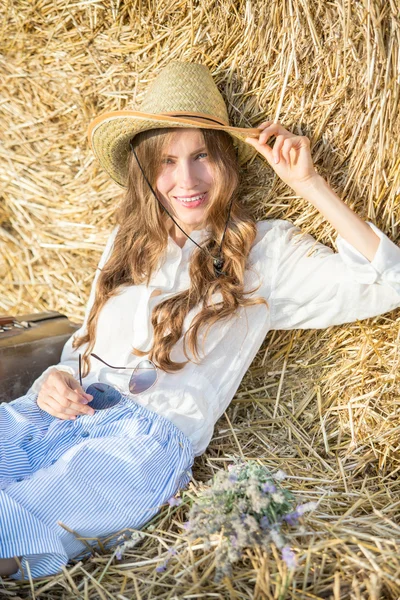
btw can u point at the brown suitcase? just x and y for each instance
(28, 345)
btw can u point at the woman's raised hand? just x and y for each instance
(61, 396)
(290, 157)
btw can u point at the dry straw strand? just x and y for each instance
(321, 405)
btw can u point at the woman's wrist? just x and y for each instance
(314, 190)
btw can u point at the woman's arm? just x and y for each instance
(313, 287)
(346, 222)
(291, 160)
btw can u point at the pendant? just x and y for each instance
(218, 265)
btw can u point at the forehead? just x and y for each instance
(183, 139)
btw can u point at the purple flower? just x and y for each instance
(118, 555)
(174, 501)
(268, 488)
(187, 525)
(172, 552)
(289, 557)
(232, 477)
(291, 518)
(264, 522)
(233, 539)
(161, 568)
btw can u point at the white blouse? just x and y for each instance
(306, 285)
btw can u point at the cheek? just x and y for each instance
(208, 175)
(164, 183)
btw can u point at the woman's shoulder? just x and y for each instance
(272, 230)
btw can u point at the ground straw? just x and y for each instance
(321, 405)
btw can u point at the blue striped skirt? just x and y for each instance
(96, 475)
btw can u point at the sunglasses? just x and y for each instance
(144, 376)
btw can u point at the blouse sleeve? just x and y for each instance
(314, 287)
(69, 356)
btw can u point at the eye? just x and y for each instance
(202, 154)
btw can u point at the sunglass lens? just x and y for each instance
(143, 377)
(104, 396)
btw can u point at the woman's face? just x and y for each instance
(185, 180)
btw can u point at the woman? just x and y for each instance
(185, 292)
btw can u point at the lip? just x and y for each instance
(192, 204)
(192, 196)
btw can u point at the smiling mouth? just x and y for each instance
(191, 202)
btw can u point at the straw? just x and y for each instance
(322, 405)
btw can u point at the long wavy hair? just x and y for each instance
(141, 243)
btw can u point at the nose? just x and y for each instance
(186, 174)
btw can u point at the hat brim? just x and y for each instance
(109, 136)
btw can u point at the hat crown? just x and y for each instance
(185, 87)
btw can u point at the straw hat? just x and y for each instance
(182, 95)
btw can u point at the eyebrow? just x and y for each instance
(191, 154)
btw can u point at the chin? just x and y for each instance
(192, 219)
(192, 225)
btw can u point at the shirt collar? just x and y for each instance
(198, 235)
(165, 277)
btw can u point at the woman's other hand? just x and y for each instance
(290, 157)
(61, 396)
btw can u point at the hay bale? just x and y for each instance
(326, 70)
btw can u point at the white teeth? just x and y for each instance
(192, 199)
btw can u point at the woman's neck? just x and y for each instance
(180, 238)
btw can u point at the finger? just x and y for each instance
(264, 149)
(252, 141)
(73, 395)
(267, 133)
(286, 149)
(74, 385)
(76, 397)
(272, 129)
(49, 408)
(300, 143)
(54, 405)
(53, 392)
(295, 156)
(71, 407)
(277, 148)
(264, 124)
(62, 404)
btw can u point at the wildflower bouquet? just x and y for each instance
(244, 506)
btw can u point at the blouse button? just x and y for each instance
(19, 479)
(29, 438)
(85, 434)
